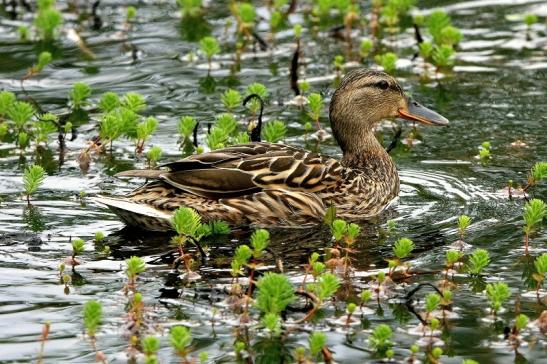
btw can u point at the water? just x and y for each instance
(496, 93)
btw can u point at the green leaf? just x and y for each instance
(77, 246)
(7, 98)
(150, 345)
(538, 172)
(154, 153)
(315, 105)
(317, 340)
(186, 222)
(186, 126)
(20, 113)
(478, 260)
(463, 223)
(227, 123)
(134, 102)
(497, 293)
(259, 241)
(231, 99)
(33, 178)
(403, 247)
(380, 340)
(436, 22)
(180, 338)
(338, 229)
(92, 312)
(209, 46)
(540, 263)
(275, 293)
(534, 213)
(330, 215)
(521, 321)
(79, 93)
(109, 101)
(388, 61)
(432, 302)
(327, 285)
(134, 267)
(274, 131)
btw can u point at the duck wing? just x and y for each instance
(249, 168)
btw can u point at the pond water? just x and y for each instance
(496, 93)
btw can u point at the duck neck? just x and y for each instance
(367, 154)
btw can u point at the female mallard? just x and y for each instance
(264, 184)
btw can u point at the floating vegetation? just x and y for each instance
(92, 89)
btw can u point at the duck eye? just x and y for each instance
(384, 85)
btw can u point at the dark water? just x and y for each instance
(496, 93)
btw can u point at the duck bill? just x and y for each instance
(417, 112)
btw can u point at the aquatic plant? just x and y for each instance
(451, 258)
(436, 22)
(44, 125)
(315, 106)
(7, 98)
(402, 249)
(109, 101)
(497, 293)
(537, 173)
(33, 177)
(540, 264)
(521, 321)
(463, 223)
(145, 129)
(150, 346)
(133, 267)
(44, 58)
(275, 293)
(231, 99)
(274, 131)
(187, 224)
(432, 302)
(534, 213)
(478, 260)
(380, 339)
(48, 20)
(78, 94)
(180, 339)
(388, 61)
(529, 19)
(209, 47)
(484, 151)
(190, 8)
(318, 344)
(365, 48)
(338, 64)
(443, 57)
(257, 89)
(186, 126)
(130, 13)
(24, 33)
(325, 286)
(153, 155)
(93, 317)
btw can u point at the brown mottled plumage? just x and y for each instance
(265, 184)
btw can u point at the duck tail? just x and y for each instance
(135, 214)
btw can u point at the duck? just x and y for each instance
(262, 184)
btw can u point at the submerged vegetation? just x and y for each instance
(453, 259)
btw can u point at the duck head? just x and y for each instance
(366, 97)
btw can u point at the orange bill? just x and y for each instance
(417, 112)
